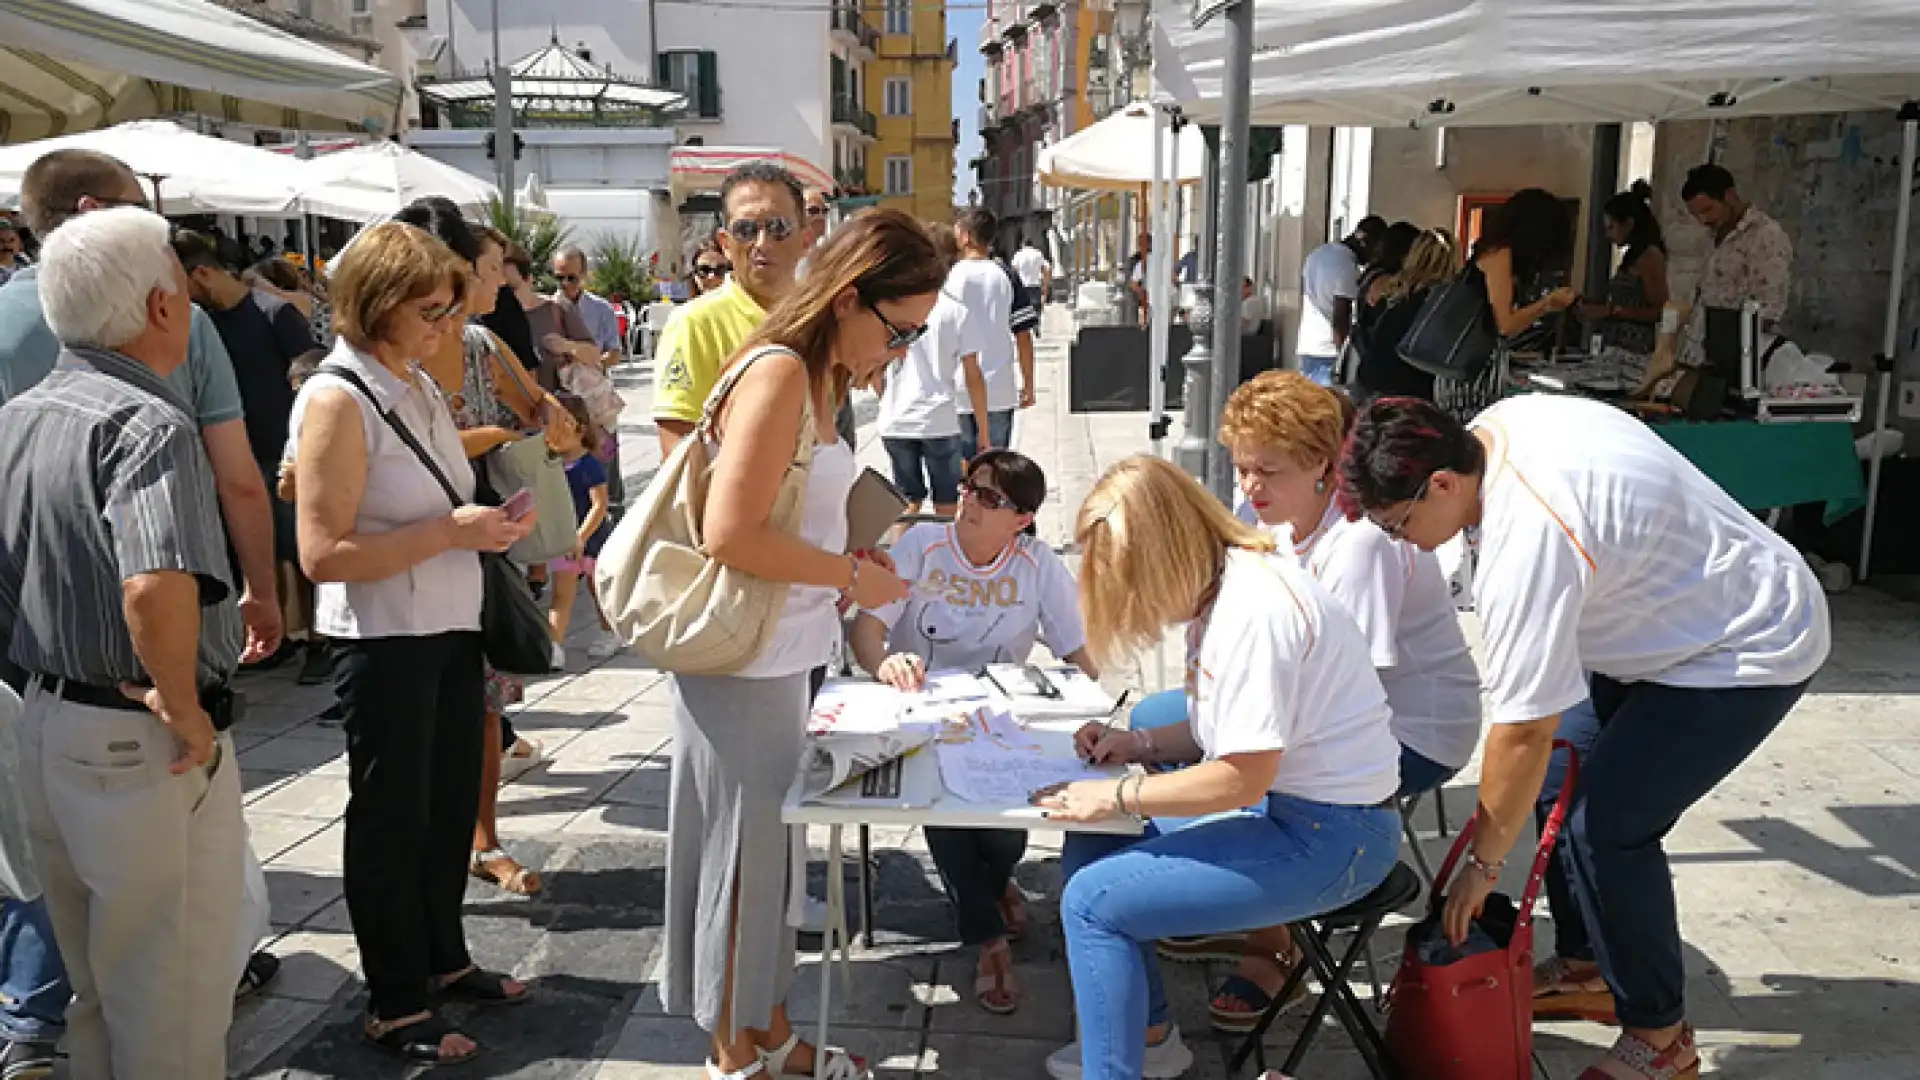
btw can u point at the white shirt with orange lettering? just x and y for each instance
(964, 616)
(1603, 549)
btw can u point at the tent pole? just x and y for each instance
(1235, 127)
(1161, 324)
(1890, 340)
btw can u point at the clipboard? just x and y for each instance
(873, 506)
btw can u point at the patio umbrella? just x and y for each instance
(186, 172)
(1116, 154)
(378, 179)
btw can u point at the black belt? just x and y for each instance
(218, 700)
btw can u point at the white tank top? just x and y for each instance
(808, 633)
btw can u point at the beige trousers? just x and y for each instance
(142, 877)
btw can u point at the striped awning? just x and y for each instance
(71, 65)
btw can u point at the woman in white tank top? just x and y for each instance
(737, 738)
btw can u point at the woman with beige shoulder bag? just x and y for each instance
(776, 461)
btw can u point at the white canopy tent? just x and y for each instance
(378, 179)
(1428, 63)
(186, 172)
(1116, 154)
(76, 64)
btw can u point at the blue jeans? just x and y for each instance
(32, 978)
(1318, 368)
(1419, 773)
(1659, 751)
(1218, 874)
(999, 432)
(1579, 726)
(923, 466)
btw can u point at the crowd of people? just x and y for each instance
(220, 458)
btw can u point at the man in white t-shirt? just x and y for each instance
(919, 421)
(1035, 272)
(1602, 550)
(1330, 281)
(990, 292)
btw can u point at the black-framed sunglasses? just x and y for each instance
(749, 230)
(711, 269)
(898, 337)
(1398, 530)
(988, 498)
(438, 313)
(817, 211)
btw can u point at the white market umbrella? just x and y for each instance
(185, 172)
(369, 182)
(1116, 154)
(68, 65)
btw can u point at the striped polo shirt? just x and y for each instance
(103, 477)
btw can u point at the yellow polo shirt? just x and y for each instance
(695, 345)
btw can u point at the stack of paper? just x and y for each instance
(992, 761)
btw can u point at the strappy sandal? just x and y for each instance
(1013, 912)
(1238, 990)
(520, 881)
(1223, 948)
(1561, 994)
(995, 989)
(839, 1065)
(487, 989)
(417, 1042)
(1633, 1058)
(756, 1068)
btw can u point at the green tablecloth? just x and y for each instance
(1764, 466)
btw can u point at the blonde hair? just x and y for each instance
(1286, 411)
(388, 265)
(1152, 543)
(1434, 258)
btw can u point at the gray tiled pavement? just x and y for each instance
(1799, 879)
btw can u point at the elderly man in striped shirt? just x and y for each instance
(116, 599)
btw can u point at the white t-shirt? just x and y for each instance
(1603, 549)
(924, 385)
(1332, 271)
(965, 616)
(987, 293)
(1030, 265)
(1278, 665)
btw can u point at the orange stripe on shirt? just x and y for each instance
(1500, 434)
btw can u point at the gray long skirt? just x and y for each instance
(736, 747)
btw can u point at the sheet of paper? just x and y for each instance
(856, 706)
(992, 761)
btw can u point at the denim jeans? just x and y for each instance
(1659, 751)
(999, 432)
(923, 467)
(1419, 773)
(1218, 874)
(32, 978)
(1580, 727)
(975, 865)
(1318, 368)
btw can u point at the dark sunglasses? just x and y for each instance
(710, 270)
(748, 230)
(816, 211)
(567, 279)
(438, 313)
(898, 337)
(988, 498)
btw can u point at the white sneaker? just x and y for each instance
(1165, 1060)
(605, 647)
(558, 662)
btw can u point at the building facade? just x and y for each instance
(854, 44)
(910, 85)
(1033, 95)
(371, 31)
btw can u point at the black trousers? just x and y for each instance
(414, 709)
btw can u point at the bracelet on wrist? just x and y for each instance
(1120, 795)
(1490, 869)
(1143, 743)
(1139, 808)
(853, 579)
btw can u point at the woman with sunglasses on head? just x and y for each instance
(1284, 810)
(709, 269)
(1602, 550)
(732, 867)
(986, 592)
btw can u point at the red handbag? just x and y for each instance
(1473, 1019)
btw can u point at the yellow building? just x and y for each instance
(910, 88)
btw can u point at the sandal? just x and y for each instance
(993, 985)
(1561, 993)
(417, 1041)
(758, 1067)
(839, 1065)
(1633, 1058)
(1236, 1008)
(1013, 912)
(261, 969)
(487, 989)
(520, 758)
(498, 867)
(1225, 948)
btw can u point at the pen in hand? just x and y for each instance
(1096, 733)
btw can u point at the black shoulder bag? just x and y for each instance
(1453, 336)
(513, 632)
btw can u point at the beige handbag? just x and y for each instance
(666, 597)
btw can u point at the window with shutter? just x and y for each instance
(899, 97)
(899, 16)
(899, 176)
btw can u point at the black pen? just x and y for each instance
(1108, 722)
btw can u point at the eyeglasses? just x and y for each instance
(748, 230)
(567, 279)
(1398, 530)
(817, 211)
(898, 337)
(988, 498)
(711, 270)
(438, 313)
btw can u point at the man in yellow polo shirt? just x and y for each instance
(764, 234)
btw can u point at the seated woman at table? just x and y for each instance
(1284, 432)
(985, 592)
(1287, 712)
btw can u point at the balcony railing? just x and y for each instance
(847, 111)
(851, 181)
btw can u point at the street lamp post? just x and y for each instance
(502, 117)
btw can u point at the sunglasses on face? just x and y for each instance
(898, 337)
(816, 211)
(711, 270)
(988, 498)
(749, 230)
(567, 279)
(438, 313)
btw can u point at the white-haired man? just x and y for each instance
(116, 603)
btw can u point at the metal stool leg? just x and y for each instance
(866, 887)
(1254, 1044)
(1339, 998)
(1440, 811)
(1407, 808)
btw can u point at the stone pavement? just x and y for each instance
(1799, 878)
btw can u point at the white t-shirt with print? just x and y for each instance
(1278, 665)
(986, 291)
(964, 616)
(1331, 272)
(1603, 549)
(924, 385)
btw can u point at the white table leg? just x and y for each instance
(836, 924)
